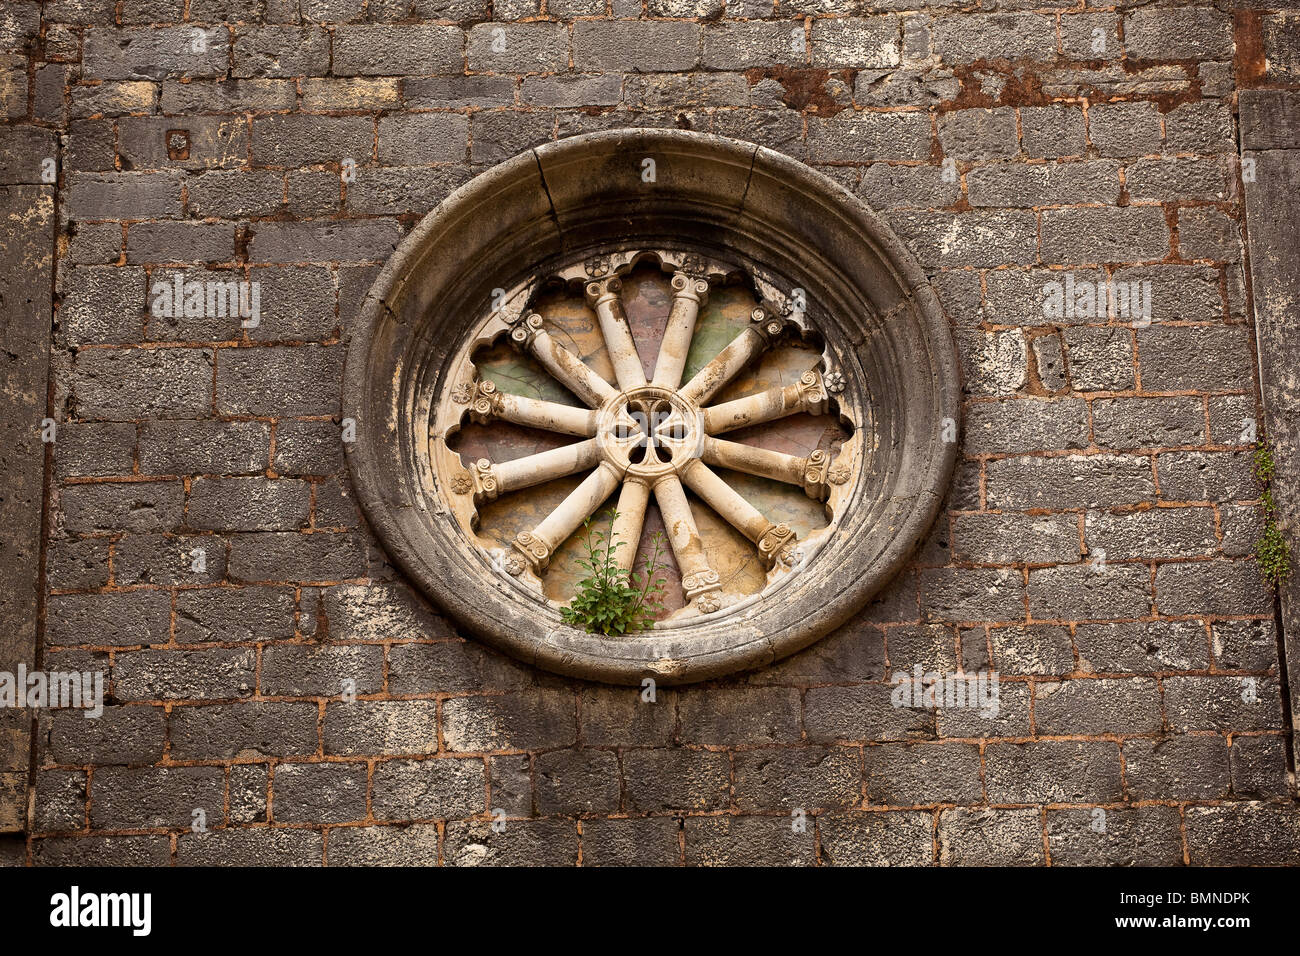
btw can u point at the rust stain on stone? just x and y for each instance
(805, 89)
(1250, 62)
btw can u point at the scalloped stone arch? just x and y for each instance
(583, 200)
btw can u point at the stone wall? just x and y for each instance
(204, 551)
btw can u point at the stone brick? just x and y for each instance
(1026, 425)
(203, 447)
(113, 619)
(1052, 131)
(1212, 587)
(1162, 532)
(121, 735)
(228, 96)
(979, 134)
(235, 194)
(381, 726)
(650, 841)
(798, 778)
(1032, 649)
(735, 715)
(1206, 476)
(1181, 33)
(924, 187)
(215, 674)
(165, 242)
(915, 774)
(253, 846)
(423, 138)
(867, 137)
(523, 843)
(877, 839)
(102, 851)
(365, 240)
(246, 729)
(518, 48)
(1206, 233)
(79, 564)
(1101, 359)
(457, 92)
(995, 364)
(319, 792)
(169, 560)
(675, 779)
(1222, 703)
(1072, 481)
(280, 51)
(125, 506)
(861, 713)
(856, 42)
(248, 504)
(1244, 645)
(1178, 767)
(1173, 178)
(429, 789)
(307, 448)
(1091, 590)
(1142, 647)
(353, 93)
(1043, 184)
(130, 384)
(205, 142)
(60, 801)
(279, 381)
(384, 846)
(1094, 707)
(1052, 771)
(619, 717)
(572, 782)
(382, 612)
(1125, 129)
(980, 238)
(299, 140)
(958, 594)
(294, 670)
(1259, 767)
(145, 797)
(747, 841)
(145, 195)
(383, 50)
(1140, 836)
(1243, 834)
(151, 53)
(496, 136)
(247, 793)
(510, 778)
(544, 719)
(1208, 358)
(968, 38)
(990, 838)
(1104, 235)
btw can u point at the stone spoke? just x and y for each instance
(569, 370)
(488, 403)
(604, 295)
(497, 478)
(726, 365)
(699, 581)
(808, 473)
(538, 545)
(806, 395)
(770, 538)
(633, 499)
(689, 294)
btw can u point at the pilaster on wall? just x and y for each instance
(26, 254)
(1270, 141)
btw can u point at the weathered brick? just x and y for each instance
(1032, 649)
(122, 506)
(1026, 425)
(383, 50)
(1091, 590)
(246, 729)
(990, 838)
(1178, 767)
(129, 384)
(522, 843)
(125, 799)
(877, 838)
(423, 138)
(1143, 647)
(121, 735)
(675, 779)
(572, 782)
(861, 713)
(649, 841)
(1052, 771)
(916, 774)
(1243, 834)
(1093, 707)
(319, 792)
(866, 137)
(1104, 234)
(981, 238)
(1223, 703)
(1140, 836)
(113, 619)
(735, 715)
(299, 140)
(1072, 481)
(151, 53)
(797, 778)
(381, 726)
(545, 719)
(203, 447)
(252, 846)
(747, 841)
(215, 674)
(384, 846)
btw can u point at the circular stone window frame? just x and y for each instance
(583, 197)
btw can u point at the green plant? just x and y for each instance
(611, 600)
(1272, 553)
